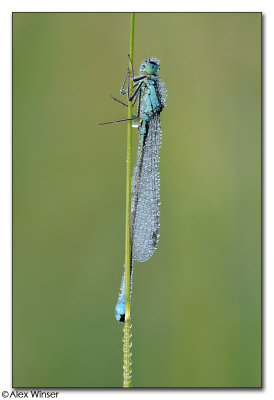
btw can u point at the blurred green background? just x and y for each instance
(196, 304)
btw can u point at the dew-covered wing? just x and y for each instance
(145, 194)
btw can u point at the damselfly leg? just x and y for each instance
(118, 120)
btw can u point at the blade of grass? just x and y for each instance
(127, 325)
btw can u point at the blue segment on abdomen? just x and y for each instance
(120, 308)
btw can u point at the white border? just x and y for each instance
(267, 8)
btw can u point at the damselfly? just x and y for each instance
(150, 95)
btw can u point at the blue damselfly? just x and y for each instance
(150, 96)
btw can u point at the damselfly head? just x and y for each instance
(150, 66)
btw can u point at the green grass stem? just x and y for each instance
(127, 325)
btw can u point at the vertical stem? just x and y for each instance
(127, 326)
